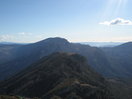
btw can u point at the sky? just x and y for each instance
(26, 21)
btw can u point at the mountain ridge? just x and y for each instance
(101, 59)
(63, 75)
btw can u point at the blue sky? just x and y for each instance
(75, 20)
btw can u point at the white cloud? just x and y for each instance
(6, 37)
(117, 21)
(21, 37)
(25, 33)
(15, 37)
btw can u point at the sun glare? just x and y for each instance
(114, 8)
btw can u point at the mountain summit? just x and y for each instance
(55, 39)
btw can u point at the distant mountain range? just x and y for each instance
(61, 76)
(109, 61)
(10, 43)
(95, 44)
(102, 44)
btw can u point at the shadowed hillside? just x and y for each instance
(28, 54)
(112, 62)
(120, 58)
(63, 75)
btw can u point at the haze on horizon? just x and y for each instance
(26, 21)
